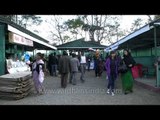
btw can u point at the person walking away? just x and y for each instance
(70, 79)
(74, 62)
(119, 59)
(107, 56)
(50, 58)
(112, 72)
(100, 67)
(64, 68)
(54, 64)
(96, 65)
(89, 61)
(58, 56)
(82, 66)
(38, 73)
(127, 78)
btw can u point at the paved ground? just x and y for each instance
(92, 92)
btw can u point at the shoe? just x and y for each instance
(106, 77)
(112, 93)
(131, 91)
(108, 91)
(82, 81)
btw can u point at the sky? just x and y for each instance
(125, 23)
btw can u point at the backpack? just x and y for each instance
(37, 67)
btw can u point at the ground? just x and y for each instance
(92, 92)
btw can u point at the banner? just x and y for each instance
(14, 38)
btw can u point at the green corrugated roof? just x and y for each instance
(3, 20)
(80, 44)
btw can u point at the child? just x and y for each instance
(38, 73)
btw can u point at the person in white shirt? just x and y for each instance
(82, 66)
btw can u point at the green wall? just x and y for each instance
(2, 49)
(146, 57)
(145, 52)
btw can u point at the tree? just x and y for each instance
(74, 26)
(24, 20)
(156, 17)
(58, 31)
(10, 17)
(136, 24)
(150, 18)
(99, 27)
(28, 20)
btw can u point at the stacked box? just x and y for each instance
(16, 86)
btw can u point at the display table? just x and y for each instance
(16, 86)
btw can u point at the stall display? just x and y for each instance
(16, 85)
(17, 66)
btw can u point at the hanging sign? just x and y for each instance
(14, 38)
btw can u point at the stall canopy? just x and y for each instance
(80, 44)
(38, 42)
(142, 38)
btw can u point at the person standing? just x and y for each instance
(119, 59)
(127, 78)
(54, 64)
(70, 77)
(50, 60)
(112, 72)
(82, 66)
(89, 58)
(74, 62)
(96, 65)
(38, 73)
(64, 68)
(100, 67)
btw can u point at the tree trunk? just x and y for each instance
(91, 35)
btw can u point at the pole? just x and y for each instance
(33, 53)
(155, 50)
(155, 42)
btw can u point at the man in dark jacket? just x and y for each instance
(64, 69)
(50, 58)
(54, 64)
(74, 62)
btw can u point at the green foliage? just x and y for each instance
(74, 23)
(9, 17)
(136, 24)
(33, 18)
(99, 27)
(156, 17)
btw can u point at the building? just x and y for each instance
(15, 40)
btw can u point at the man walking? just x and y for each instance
(64, 68)
(82, 66)
(74, 62)
(54, 65)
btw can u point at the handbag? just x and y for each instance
(122, 68)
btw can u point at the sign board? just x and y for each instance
(14, 38)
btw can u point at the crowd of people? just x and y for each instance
(69, 65)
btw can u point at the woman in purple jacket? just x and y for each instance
(112, 71)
